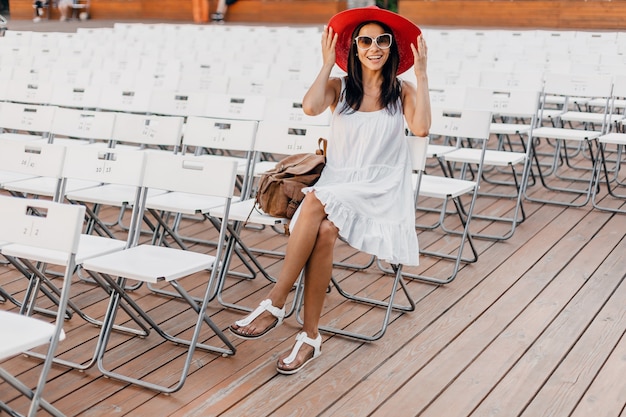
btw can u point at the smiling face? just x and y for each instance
(373, 58)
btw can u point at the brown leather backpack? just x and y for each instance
(279, 192)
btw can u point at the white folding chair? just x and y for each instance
(468, 125)
(567, 172)
(506, 105)
(151, 264)
(39, 231)
(611, 147)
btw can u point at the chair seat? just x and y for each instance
(90, 246)
(21, 136)
(619, 103)
(246, 210)
(157, 263)
(50, 256)
(509, 128)
(263, 166)
(613, 138)
(551, 114)
(6, 177)
(492, 157)
(20, 333)
(568, 134)
(434, 151)
(46, 186)
(444, 187)
(109, 194)
(184, 203)
(586, 117)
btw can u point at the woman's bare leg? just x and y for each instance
(299, 248)
(316, 279)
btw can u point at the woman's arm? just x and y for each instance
(324, 91)
(416, 100)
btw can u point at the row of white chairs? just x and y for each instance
(157, 102)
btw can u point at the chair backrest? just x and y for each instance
(193, 174)
(288, 138)
(26, 117)
(114, 166)
(253, 86)
(472, 124)
(38, 92)
(37, 159)
(575, 85)
(148, 130)
(239, 107)
(504, 102)
(288, 110)
(177, 103)
(236, 135)
(125, 99)
(41, 223)
(83, 124)
(76, 96)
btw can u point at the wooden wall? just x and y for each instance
(548, 14)
(538, 14)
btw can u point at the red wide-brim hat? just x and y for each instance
(405, 32)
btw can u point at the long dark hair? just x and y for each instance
(390, 89)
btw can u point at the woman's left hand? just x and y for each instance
(419, 56)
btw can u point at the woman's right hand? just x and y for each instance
(329, 42)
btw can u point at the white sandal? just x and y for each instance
(301, 338)
(265, 305)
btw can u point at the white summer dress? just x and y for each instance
(366, 184)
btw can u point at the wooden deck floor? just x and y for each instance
(536, 327)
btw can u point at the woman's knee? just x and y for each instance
(327, 232)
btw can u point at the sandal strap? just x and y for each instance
(265, 305)
(302, 338)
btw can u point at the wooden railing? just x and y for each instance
(549, 14)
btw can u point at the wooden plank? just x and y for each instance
(517, 362)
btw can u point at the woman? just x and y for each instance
(364, 193)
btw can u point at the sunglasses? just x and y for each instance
(382, 41)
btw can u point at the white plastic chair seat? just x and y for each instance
(90, 246)
(434, 151)
(158, 263)
(492, 157)
(19, 333)
(442, 187)
(568, 134)
(50, 256)
(184, 203)
(586, 117)
(263, 166)
(548, 114)
(21, 136)
(109, 194)
(509, 128)
(245, 210)
(46, 186)
(619, 103)
(613, 138)
(6, 177)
